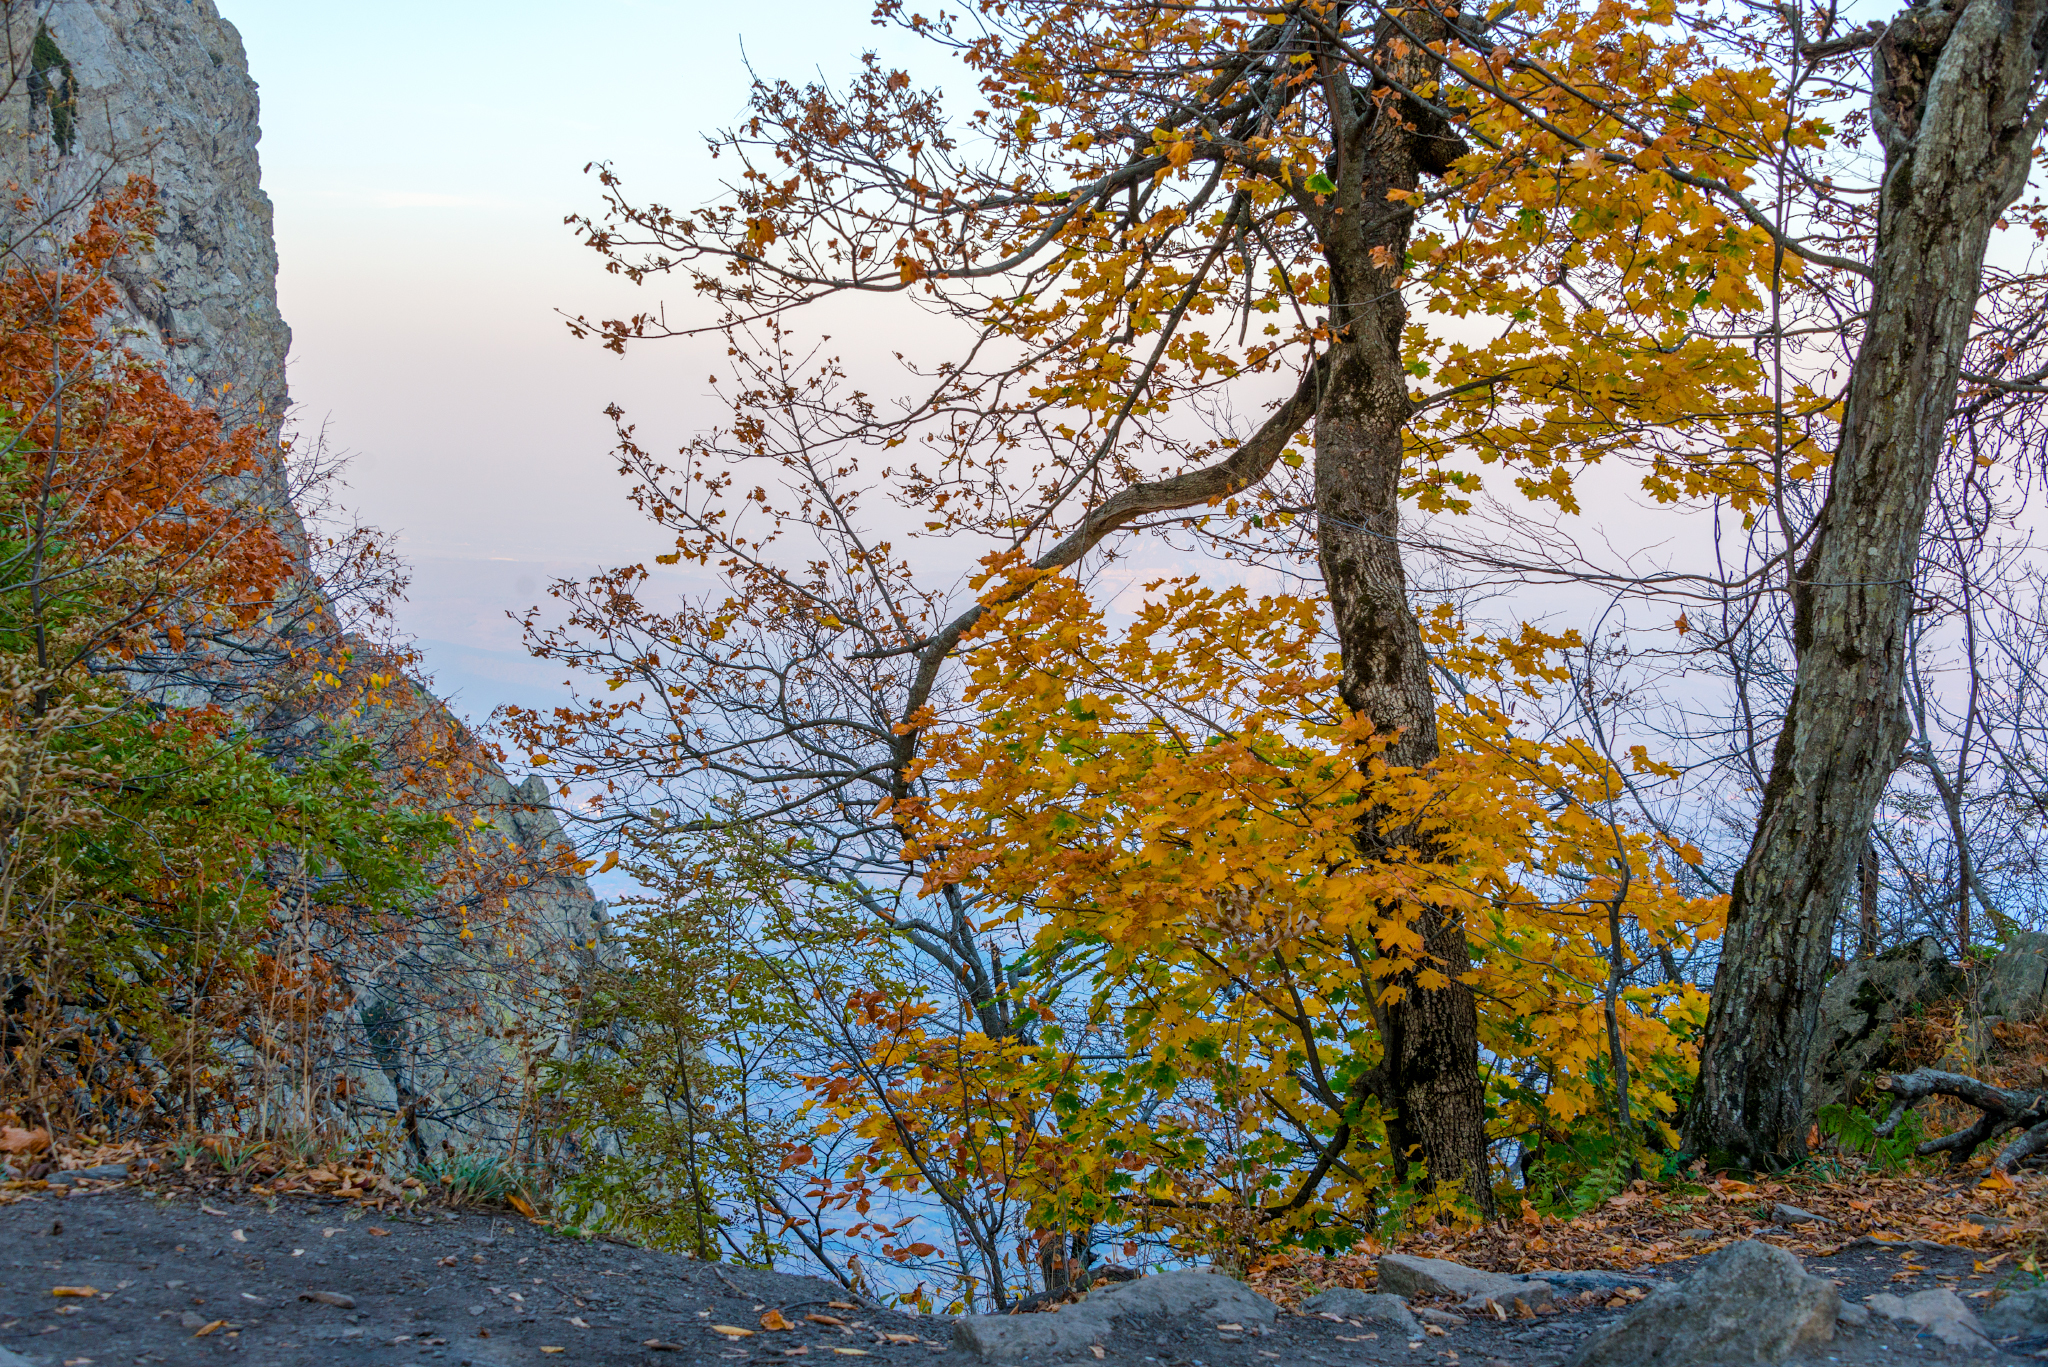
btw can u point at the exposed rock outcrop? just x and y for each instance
(1863, 1002)
(444, 1018)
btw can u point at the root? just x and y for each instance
(2000, 1109)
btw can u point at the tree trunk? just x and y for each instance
(1951, 104)
(1429, 1084)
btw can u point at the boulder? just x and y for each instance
(1574, 1283)
(1749, 1304)
(1859, 1007)
(2023, 1312)
(1074, 1329)
(1349, 1304)
(2016, 983)
(1204, 1295)
(1943, 1314)
(1405, 1275)
(1071, 1330)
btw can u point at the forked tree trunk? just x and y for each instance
(1429, 1083)
(1953, 103)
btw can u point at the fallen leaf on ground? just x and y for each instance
(74, 1291)
(14, 1140)
(774, 1320)
(203, 1330)
(209, 1210)
(329, 1298)
(547, 1349)
(377, 1233)
(239, 1237)
(520, 1204)
(842, 1305)
(660, 1346)
(898, 1338)
(832, 1320)
(851, 1352)
(577, 1320)
(732, 1331)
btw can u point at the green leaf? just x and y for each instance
(1322, 184)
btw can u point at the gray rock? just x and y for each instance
(1793, 1215)
(1515, 1297)
(2016, 984)
(1943, 1314)
(1855, 1316)
(10, 1358)
(1184, 1295)
(1014, 1338)
(104, 1172)
(1752, 1304)
(1359, 1305)
(1696, 1235)
(2022, 1312)
(1862, 1002)
(1485, 1292)
(1442, 1318)
(1206, 1296)
(1573, 1283)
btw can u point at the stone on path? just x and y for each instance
(1206, 1295)
(1943, 1314)
(2023, 1312)
(1793, 1215)
(1750, 1304)
(1203, 1296)
(1350, 1304)
(1405, 1275)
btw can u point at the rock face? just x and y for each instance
(1752, 1303)
(1859, 1007)
(161, 90)
(445, 1019)
(2016, 984)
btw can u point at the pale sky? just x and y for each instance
(421, 157)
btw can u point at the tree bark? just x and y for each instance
(1952, 102)
(1429, 1083)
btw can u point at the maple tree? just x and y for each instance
(1141, 178)
(1173, 809)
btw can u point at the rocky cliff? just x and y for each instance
(441, 1023)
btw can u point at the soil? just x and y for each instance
(181, 1278)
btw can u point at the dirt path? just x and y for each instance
(179, 1279)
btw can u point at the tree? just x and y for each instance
(1138, 170)
(1173, 807)
(1957, 105)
